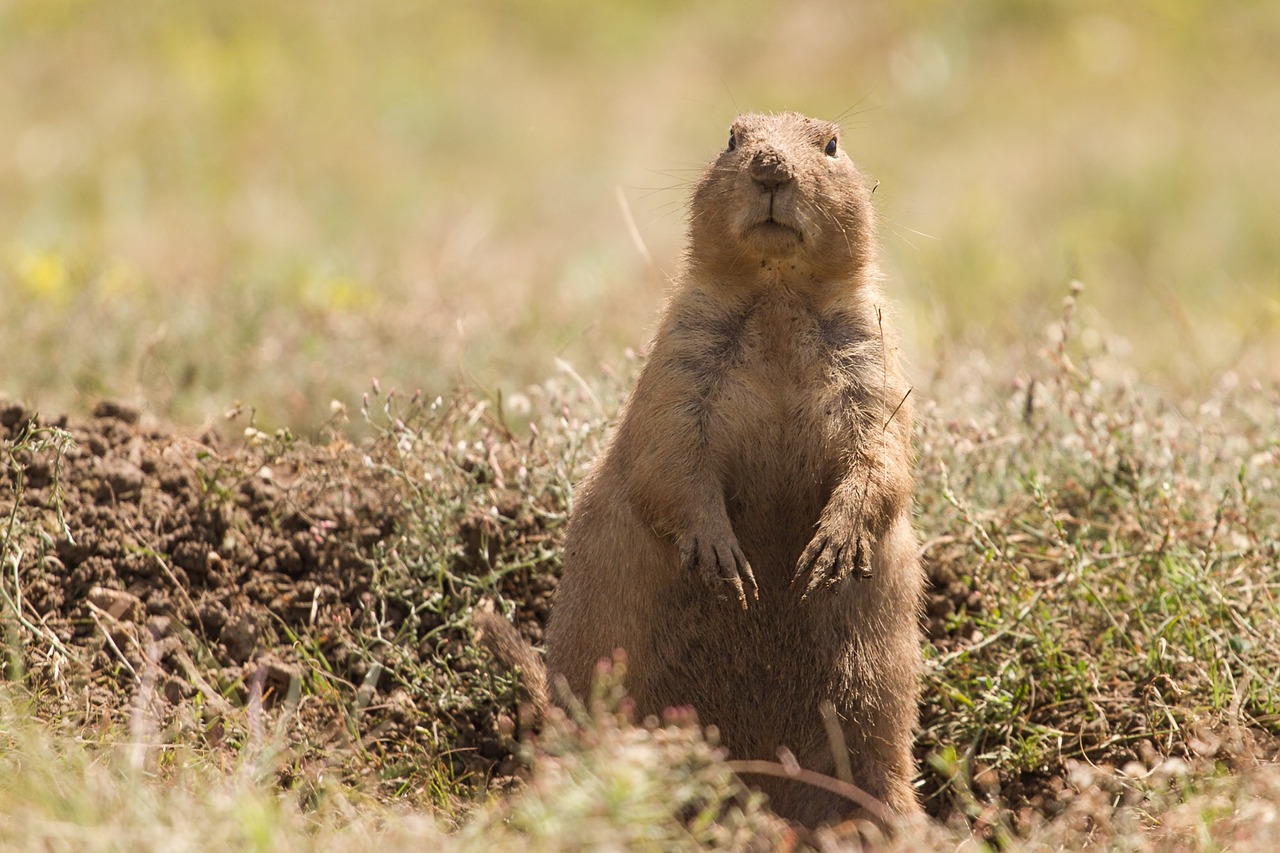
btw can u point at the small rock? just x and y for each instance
(213, 616)
(114, 410)
(122, 479)
(11, 414)
(118, 604)
(240, 636)
(276, 676)
(176, 690)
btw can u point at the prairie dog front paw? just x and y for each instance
(835, 553)
(718, 560)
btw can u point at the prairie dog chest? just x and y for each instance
(780, 401)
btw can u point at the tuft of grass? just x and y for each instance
(597, 780)
(29, 442)
(63, 792)
(1104, 566)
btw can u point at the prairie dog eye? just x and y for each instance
(733, 140)
(832, 146)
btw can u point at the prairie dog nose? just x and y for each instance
(770, 169)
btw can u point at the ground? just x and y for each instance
(194, 574)
(1101, 564)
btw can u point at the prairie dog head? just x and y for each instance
(783, 196)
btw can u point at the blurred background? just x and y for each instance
(274, 201)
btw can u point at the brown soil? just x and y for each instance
(195, 578)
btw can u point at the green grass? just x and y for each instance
(1121, 563)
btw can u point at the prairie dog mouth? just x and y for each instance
(772, 236)
(770, 219)
(774, 227)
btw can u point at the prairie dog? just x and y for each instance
(746, 535)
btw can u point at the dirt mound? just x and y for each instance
(161, 529)
(195, 577)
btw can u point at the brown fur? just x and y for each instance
(505, 643)
(746, 537)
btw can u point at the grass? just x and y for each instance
(1103, 615)
(1120, 570)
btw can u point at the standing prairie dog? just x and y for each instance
(746, 536)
